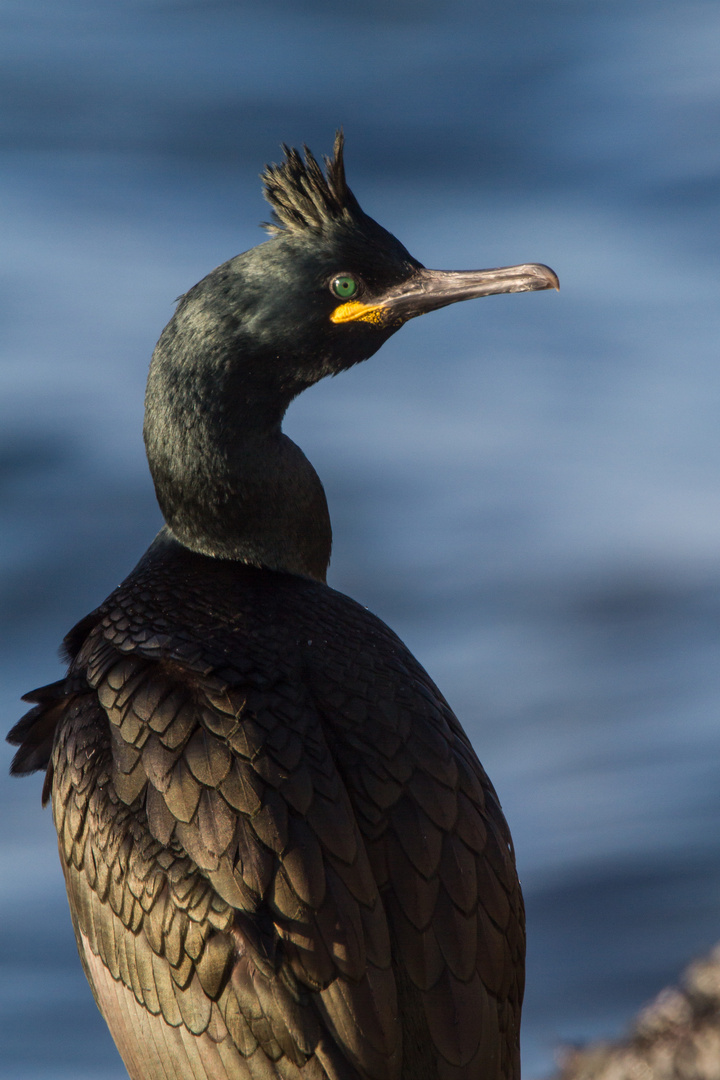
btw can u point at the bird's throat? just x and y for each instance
(233, 489)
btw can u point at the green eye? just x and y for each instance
(344, 286)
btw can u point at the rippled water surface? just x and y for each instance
(526, 488)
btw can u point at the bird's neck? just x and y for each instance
(230, 484)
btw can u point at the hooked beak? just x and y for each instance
(428, 290)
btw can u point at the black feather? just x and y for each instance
(302, 197)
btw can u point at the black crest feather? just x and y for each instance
(302, 196)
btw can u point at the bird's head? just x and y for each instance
(323, 293)
(326, 291)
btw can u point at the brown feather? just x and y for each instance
(297, 790)
(194, 1004)
(213, 967)
(264, 840)
(183, 793)
(333, 824)
(458, 873)
(242, 788)
(161, 821)
(364, 1020)
(165, 990)
(416, 894)
(255, 861)
(420, 839)
(209, 758)
(216, 822)
(419, 948)
(158, 762)
(457, 936)
(303, 864)
(456, 1016)
(270, 823)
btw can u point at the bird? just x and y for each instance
(282, 855)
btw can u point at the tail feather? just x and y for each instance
(34, 734)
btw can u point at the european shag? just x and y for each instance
(282, 856)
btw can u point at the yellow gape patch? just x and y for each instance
(354, 311)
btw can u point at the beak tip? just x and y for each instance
(549, 276)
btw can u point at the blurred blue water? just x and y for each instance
(525, 489)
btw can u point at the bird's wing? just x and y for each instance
(440, 849)
(224, 905)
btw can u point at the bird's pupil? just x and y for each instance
(344, 286)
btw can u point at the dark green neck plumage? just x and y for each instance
(230, 484)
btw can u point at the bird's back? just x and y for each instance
(283, 857)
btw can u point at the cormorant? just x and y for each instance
(282, 856)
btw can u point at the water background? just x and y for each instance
(526, 488)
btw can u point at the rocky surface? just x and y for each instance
(675, 1037)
